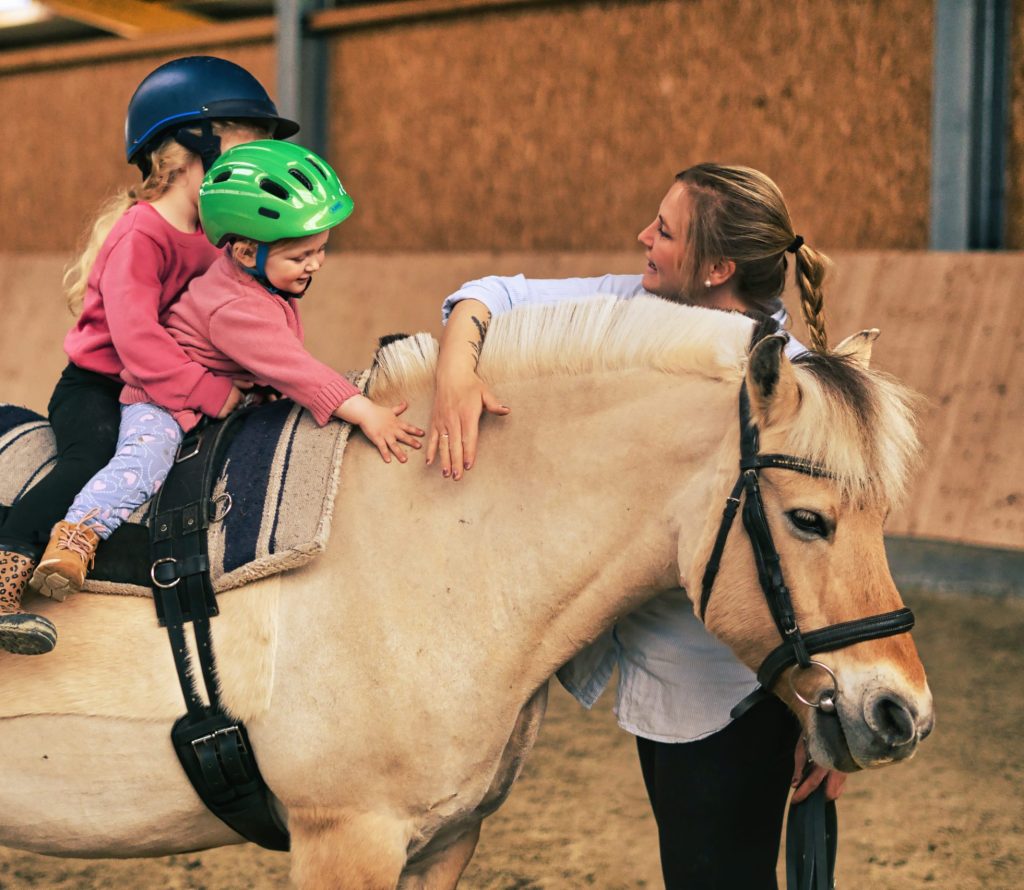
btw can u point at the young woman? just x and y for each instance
(718, 787)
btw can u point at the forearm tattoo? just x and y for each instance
(481, 327)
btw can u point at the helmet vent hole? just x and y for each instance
(270, 214)
(221, 177)
(274, 188)
(316, 167)
(301, 177)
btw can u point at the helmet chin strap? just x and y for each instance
(206, 144)
(259, 272)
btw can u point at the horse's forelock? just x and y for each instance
(858, 423)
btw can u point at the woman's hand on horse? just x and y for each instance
(805, 780)
(381, 425)
(460, 397)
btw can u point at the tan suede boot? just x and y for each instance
(21, 632)
(66, 560)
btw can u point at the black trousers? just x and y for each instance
(719, 802)
(85, 416)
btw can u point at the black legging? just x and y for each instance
(85, 416)
(719, 802)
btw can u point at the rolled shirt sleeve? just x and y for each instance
(500, 294)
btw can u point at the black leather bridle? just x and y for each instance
(797, 646)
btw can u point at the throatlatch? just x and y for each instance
(213, 748)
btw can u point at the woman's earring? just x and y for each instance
(707, 282)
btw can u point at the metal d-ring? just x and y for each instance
(827, 700)
(222, 498)
(152, 573)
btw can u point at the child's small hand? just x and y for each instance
(235, 397)
(381, 425)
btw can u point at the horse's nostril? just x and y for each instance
(926, 730)
(892, 720)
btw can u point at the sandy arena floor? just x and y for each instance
(952, 819)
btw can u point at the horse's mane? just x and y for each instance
(856, 422)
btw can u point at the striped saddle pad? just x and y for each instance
(281, 471)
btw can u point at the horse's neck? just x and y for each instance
(572, 515)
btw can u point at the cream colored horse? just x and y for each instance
(393, 686)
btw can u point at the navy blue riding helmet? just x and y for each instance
(196, 89)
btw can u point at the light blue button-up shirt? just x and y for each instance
(677, 683)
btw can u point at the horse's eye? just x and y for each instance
(809, 522)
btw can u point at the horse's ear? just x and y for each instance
(858, 347)
(771, 383)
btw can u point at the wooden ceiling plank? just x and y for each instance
(128, 18)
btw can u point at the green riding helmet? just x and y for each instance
(269, 190)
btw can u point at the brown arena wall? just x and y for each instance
(950, 323)
(536, 125)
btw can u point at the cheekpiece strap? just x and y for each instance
(714, 560)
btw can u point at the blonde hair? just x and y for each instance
(738, 213)
(167, 161)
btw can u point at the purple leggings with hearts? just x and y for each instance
(147, 442)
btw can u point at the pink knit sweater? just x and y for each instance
(230, 324)
(141, 268)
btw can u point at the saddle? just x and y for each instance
(279, 471)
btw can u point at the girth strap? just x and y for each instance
(213, 748)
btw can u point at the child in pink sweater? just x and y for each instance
(273, 204)
(143, 248)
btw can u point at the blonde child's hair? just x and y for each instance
(167, 161)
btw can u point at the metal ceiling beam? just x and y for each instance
(127, 18)
(970, 99)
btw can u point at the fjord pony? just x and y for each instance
(393, 686)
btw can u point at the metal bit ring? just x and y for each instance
(826, 702)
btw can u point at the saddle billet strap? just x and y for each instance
(214, 749)
(812, 836)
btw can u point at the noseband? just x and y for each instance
(797, 647)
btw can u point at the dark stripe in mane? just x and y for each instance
(846, 380)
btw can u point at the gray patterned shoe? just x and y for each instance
(21, 632)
